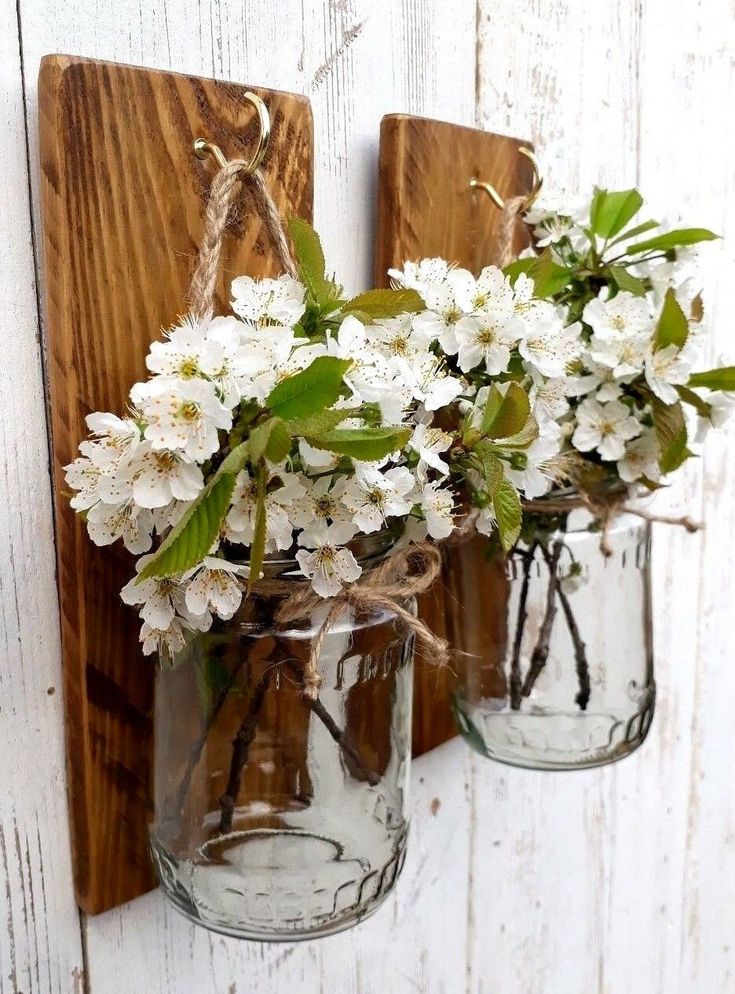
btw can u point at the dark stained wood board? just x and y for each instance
(427, 208)
(123, 200)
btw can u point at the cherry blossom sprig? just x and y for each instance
(285, 429)
(601, 327)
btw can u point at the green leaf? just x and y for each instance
(671, 433)
(548, 276)
(672, 327)
(714, 379)
(234, 461)
(505, 414)
(694, 400)
(311, 265)
(672, 239)
(491, 466)
(508, 514)
(317, 424)
(271, 439)
(514, 269)
(611, 211)
(191, 539)
(257, 546)
(377, 304)
(522, 439)
(639, 229)
(366, 444)
(624, 281)
(310, 391)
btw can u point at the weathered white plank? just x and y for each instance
(40, 946)
(686, 73)
(604, 854)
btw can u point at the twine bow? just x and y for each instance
(403, 574)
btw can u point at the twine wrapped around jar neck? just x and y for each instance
(403, 574)
(604, 506)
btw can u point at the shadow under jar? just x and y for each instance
(559, 667)
(277, 817)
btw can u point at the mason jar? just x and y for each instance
(556, 668)
(278, 817)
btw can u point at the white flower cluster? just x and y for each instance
(591, 382)
(136, 476)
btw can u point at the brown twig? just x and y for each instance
(580, 649)
(240, 749)
(195, 753)
(541, 649)
(516, 683)
(357, 766)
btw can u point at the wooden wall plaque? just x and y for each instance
(123, 199)
(427, 208)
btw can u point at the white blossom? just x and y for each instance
(182, 415)
(213, 586)
(446, 303)
(605, 428)
(266, 301)
(641, 458)
(322, 559)
(427, 379)
(437, 504)
(106, 523)
(531, 470)
(159, 476)
(486, 339)
(373, 496)
(429, 442)
(622, 316)
(172, 639)
(664, 369)
(241, 517)
(546, 345)
(321, 501)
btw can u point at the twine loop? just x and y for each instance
(221, 196)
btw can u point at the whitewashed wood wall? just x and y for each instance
(616, 881)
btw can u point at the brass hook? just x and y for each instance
(203, 148)
(538, 182)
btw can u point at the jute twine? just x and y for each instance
(401, 575)
(605, 507)
(221, 196)
(509, 216)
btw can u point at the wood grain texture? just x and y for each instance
(426, 208)
(123, 200)
(40, 942)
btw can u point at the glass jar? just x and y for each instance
(558, 671)
(277, 817)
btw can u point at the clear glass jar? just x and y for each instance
(276, 818)
(559, 666)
